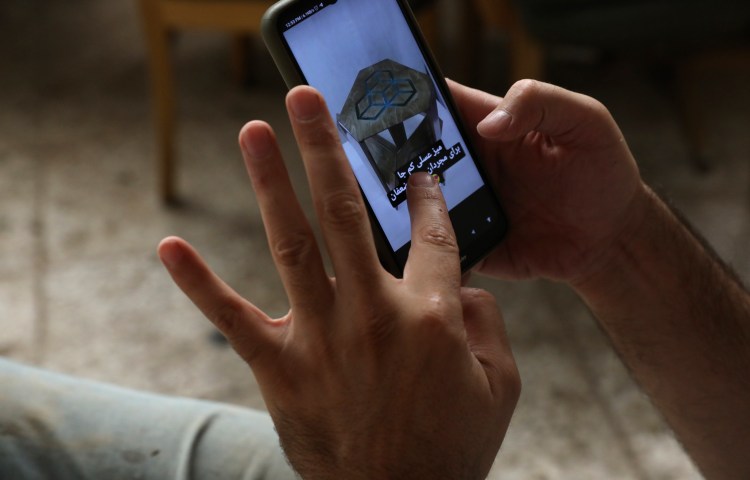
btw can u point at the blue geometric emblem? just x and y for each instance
(384, 91)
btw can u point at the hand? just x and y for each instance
(564, 174)
(367, 376)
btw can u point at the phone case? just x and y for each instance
(272, 33)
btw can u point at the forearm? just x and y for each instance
(681, 322)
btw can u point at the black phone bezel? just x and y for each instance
(273, 27)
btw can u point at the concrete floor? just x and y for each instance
(82, 292)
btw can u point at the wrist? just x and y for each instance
(619, 256)
(679, 320)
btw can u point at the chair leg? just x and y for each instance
(239, 58)
(527, 55)
(158, 41)
(428, 23)
(470, 41)
(690, 121)
(672, 81)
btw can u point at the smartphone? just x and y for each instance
(394, 114)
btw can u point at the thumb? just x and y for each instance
(488, 340)
(532, 106)
(473, 104)
(485, 329)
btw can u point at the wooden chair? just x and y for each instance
(162, 19)
(650, 31)
(526, 53)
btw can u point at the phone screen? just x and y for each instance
(392, 115)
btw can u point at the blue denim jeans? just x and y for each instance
(57, 427)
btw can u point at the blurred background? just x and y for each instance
(118, 126)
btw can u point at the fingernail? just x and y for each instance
(256, 141)
(170, 253)
(422, 179)
(494, 124)
(305, 105)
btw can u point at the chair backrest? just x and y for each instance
(636, 23)
(224, 15)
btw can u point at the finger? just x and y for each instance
(337, 197)
(485, 328)
(248, 329)
(433, 262)
(488, 341)
(532, 106)
(290, 237)
(473, 104)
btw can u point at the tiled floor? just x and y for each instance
(81, 290)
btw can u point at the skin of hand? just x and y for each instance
(580, 213)
(367, 376)
(564, 174)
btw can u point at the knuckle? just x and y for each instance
(511, 378)
(292, 250)
(428, 195)
(343, 210)
(526, 87)
(597, 108)
(320, 135)
(438, 235)
(504, 375)
(477, 295)
(231, 320)
(228, 318)
(476, 301)
(436, 314)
